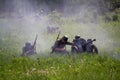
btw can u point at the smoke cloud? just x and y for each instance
(83, 19)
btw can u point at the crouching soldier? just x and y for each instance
(78, 44)
(29, 49)
(60, 45)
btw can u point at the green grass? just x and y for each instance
(69, 67)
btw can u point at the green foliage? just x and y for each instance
(77, 67)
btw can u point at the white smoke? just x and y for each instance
(29, 21)
(81, 19)
(88, 23)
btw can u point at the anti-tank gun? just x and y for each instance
(90, 47)
(84, 46)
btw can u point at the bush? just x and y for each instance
(115, 18)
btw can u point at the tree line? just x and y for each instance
(103, 5)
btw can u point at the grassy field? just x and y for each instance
(43, 66)
(69, 67)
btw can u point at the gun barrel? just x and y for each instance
(35, 40)
(58, 36)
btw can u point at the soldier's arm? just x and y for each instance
(69, 43)
(33, 47)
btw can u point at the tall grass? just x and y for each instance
(77, 67)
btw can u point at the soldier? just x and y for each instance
(90, 47)
(60, 45)
(29, 49)
(79, 44)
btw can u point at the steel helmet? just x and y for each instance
(65, 37)
(77, 36)
(27, 44)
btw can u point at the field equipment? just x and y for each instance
(85, 47)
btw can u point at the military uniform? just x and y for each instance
(28, 49)
(60, 45)
(79, 44)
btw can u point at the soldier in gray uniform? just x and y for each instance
(79, 44)
(60, 45)
(28, 49)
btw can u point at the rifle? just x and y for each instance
(35, 41)
(53, 47)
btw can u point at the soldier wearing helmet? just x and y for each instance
(79, 44)
(77, 36)
(60, 45)
(28, 49)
